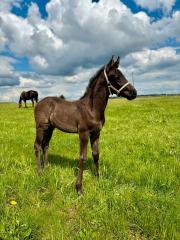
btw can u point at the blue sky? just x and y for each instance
(23, 9)
(55, 46)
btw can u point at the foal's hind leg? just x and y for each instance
(46, 139)
(37, 148)
(94, 138)
(83, 152)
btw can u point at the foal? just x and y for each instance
(84, 116)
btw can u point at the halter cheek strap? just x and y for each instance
(107, 80)
(110, 86)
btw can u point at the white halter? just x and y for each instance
(110, 86)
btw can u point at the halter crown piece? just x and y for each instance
(110, 86)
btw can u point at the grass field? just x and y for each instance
(137, 194)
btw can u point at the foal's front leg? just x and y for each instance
(83, 136)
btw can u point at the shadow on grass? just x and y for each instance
(65, 162)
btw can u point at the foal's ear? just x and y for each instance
(116, 63)
(111, 62)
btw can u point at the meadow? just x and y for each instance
(136, 196)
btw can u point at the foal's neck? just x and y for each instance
(99, 97)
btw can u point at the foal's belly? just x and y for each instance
(65, 127)
(65, 120)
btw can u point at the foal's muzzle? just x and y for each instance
(132, 95)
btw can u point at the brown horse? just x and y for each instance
(84, 116)
(29, 95)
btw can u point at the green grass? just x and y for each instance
(136, 196)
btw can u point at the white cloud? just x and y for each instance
(65, 49)
(34, 16)
(6, 70)
(154, 70)
(8, 77)
(3, 40)
(18, 31)
(81, 33)
(28, 83)
(151, 59)
(6, 5)
(166, 5)
(40, 62)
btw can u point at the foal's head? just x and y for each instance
(116, 81)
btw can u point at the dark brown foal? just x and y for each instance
(84, 116)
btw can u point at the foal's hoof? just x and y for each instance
(80, 193)
(39, 172)
(96, 174)
(46, 166)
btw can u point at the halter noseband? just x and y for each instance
(110, 86)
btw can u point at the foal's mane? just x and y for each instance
(92, 81)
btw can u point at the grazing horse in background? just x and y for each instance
(84, 116)
(29, 95)
(62, 96)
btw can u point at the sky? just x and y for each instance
(56, 46)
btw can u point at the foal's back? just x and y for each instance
(59, 113)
